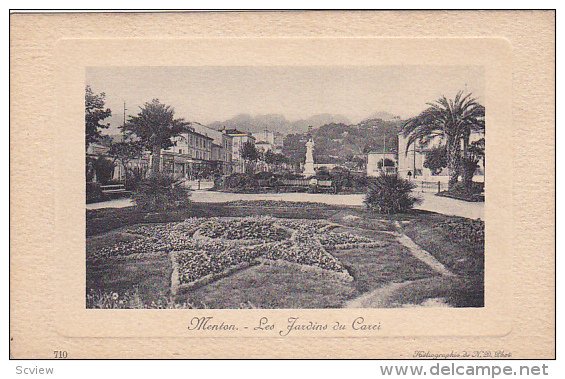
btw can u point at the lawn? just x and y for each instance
(276, 255)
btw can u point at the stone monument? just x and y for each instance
(309, 163)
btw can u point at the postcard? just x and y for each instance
(248, 185)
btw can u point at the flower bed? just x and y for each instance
(166, 231)
(310, 253)
(159, 238)
(203, 250)
(469, 231)
(253, 228)
(345, 240)
(203, 258)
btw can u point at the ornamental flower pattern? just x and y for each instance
(209, 247)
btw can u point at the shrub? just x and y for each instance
(467, 230)
(268, 179)
(161, 192)
(461, 192)
(241, 181)
(94, 193)
(390, 194)
(436, 159)
(264, 175)
(104, 170)
(322, 173)
(290, 175)
(89, 169)
(134, 178)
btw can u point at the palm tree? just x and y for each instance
(475, 152)
(454, 121)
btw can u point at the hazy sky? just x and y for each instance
(206, 94)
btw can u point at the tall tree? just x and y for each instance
(94, 113)
(454, 120)
(475, 152)
(154, 127)
(249, 153)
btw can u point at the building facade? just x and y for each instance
(222, 148)
(381, 163)
(411, 159)
(190, 157)
(263, 146)
(239, 139)
(267, 140)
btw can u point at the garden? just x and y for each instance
(274, 255)
(339, 180)
(169, 252)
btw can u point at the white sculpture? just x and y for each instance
(309, 163)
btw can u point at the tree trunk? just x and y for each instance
(156, 160)
(469, 168)
(125, 168)
(452, 163)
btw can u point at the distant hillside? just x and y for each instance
(276, 122)
(385, 116)
(337, 143)
(317, 121)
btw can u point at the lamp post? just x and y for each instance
(384, 152)
(414, 160)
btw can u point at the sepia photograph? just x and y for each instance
(288, 187)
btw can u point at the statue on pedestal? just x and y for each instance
(309, 163)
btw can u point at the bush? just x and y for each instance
(344, 179)
(104, 170)
(134, 178)
(436, 159)
(264, 175)
(466, 230)
(460, 192)
(94, 193)
(89, 169)
(161, 192)
(290, 175)
(241, 181)
(390, 194)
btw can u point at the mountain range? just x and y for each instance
(279, 123)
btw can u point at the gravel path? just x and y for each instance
(381, 297)
(431, 202)
(422, 254)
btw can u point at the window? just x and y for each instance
(180, 151)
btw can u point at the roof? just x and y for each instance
(97, 149)
(202, 135)
(387, 151)
(217, 135)
(238, 133)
